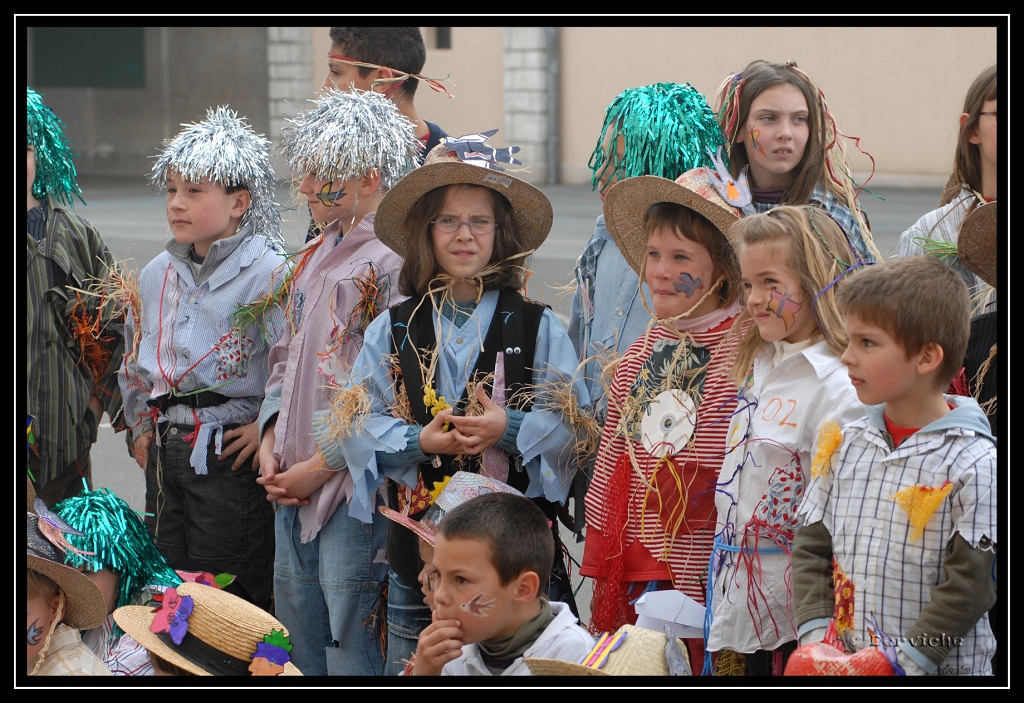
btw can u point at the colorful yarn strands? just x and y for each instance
(87, 331)
(55, 167)
(374, 288)
(666, 129)
(920, 503)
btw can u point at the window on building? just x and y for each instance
(89, 57)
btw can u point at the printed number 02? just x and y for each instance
(777, 404)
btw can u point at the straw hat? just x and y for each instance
(977, 243)
(454, 492)
(220, 626)
(628, 203)
(642, 653)
(85, 605)
(451, 162)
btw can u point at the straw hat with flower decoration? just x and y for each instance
(628, 204)
(464, 160)
(210, 632)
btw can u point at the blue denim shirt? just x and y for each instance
(607, 314)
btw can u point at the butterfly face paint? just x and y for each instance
(755, 145)
(477, 605)
(784, 308)
(687, 284)
(774, 298)
(35, 633)
(329, 198)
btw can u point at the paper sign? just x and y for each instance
(682, 613)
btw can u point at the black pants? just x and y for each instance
(221, 521)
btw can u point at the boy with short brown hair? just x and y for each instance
(899, 522)
(491, 556)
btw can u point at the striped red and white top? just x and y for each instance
(671, 514)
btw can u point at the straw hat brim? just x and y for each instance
(407, 521)
(221, 620)
(531, 208)
(642, 654)
(977, 243)
(628, 202)
(86, 608)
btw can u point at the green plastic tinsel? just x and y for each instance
(55, 167)
(119, 539)
(667, 128)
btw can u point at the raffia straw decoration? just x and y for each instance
(559, 395)
(349, 409)
(989, 406)
(400, 407)
(939, 249)
(118, 287)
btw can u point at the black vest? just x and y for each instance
(513, 330)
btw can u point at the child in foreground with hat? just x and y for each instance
(465, 228)
(61, 602)
(451, 493)
(349, 148)
(492, 557)
(897, 537)
(662, 130)
(651, 505)
(199, 630)
(196, 364)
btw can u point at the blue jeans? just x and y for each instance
(408, 616)
(327, 592)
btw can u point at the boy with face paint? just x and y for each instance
(491, 555)
(351, 147)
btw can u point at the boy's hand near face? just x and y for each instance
(439, 643)
(478, 432)
(245, 441)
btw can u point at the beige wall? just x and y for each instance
(899, 89)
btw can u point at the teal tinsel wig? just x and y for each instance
(667, 129)
(119, 541)
(55, 168)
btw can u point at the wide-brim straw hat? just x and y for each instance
(642, 653)
(86, 607)
(531, 209)
(978, 242)
(220, 620)
(628, 203)
(462, 486)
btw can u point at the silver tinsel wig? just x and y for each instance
(55, 167)
(225, 149)
(351, 134)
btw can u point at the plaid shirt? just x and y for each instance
(69, 255)
(893, 570)
(825, 199)
(67, 656)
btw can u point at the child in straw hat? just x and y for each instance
(204, 631)
(651, 505)
(492, 557)
(61, 601)
(662, 130)
(349, 148)
(465, 228)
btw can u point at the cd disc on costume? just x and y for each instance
(669, 422)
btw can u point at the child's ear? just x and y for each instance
(369, 183)
(527, 587)
(241, 203)
(54, 606)
(973, 137)
(929, 358)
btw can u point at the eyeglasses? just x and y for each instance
(993, 113)
(449, 225)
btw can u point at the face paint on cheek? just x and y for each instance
(688, 286)
(34, 633)
(328, 198)
(783, 307)
(477, 606)
(754, 144)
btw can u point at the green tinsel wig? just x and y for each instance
(119, 540)
(667, 129)
(55, 168)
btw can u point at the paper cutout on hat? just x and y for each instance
(473, 149)
(51, 526)
(172, 617)
(271, 654)
(735, 191)
(205, 578)
(677, 660)
(684, 614)
(598, 656)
